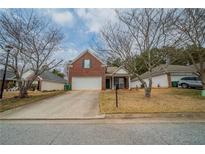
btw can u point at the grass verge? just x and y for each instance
(11, 102)
(169, 100)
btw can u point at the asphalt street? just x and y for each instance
(67, 132)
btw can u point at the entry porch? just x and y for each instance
(123, 82)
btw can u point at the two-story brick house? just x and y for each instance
(89, 72)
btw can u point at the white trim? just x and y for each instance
(113, 83)
(40, 78)
(129, 82)
(84, 52)
(121, 67)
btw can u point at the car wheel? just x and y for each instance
(184, 85)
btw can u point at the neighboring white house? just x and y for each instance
(47, 81)
(164, 75)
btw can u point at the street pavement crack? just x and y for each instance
(57, 134)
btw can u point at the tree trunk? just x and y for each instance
(203, 86)
(148, 88)
(148, 92)
(23, 92)
(203, 80)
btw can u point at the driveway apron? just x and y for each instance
(73, 104)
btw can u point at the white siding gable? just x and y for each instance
(121, 71)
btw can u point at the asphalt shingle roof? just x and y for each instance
(52, 77)
(192, 66)
(163, 68)
(9, 74)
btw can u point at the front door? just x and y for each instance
(107, 83)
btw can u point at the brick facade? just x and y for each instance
(97, 69)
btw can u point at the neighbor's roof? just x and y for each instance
(9, 74)
(49, 76)
(163, 68)
(192, 66)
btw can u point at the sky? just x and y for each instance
(81, 28)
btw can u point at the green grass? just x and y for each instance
(10, 103)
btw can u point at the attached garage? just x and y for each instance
(86, 83)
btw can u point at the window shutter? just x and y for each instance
(90, 63)
(83, 63)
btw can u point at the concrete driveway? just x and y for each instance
(74, 104)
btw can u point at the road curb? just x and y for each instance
(13, 119)
(200, 115)
(125, 116)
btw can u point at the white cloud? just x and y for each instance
(66, 53)
(94, 19)
(64, 18)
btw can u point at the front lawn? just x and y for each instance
(162, 100)
(10, 102)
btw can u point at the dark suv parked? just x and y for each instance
(190, 82)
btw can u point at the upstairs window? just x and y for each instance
(86, 63)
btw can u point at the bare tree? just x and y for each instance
(190, 23)
(12, 31)
(151, 29)
(35, 41)
(141, 32)
(118, 41)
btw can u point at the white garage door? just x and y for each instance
(86, 83)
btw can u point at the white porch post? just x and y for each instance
(110, 83)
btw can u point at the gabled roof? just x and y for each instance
(9, 74)
(121, 67)
(49, 76)
(87, 51)
(110, 70)
(113, 70)
(163, 68)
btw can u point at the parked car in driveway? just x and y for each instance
(190, 82)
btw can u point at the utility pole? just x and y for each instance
(8, 48)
